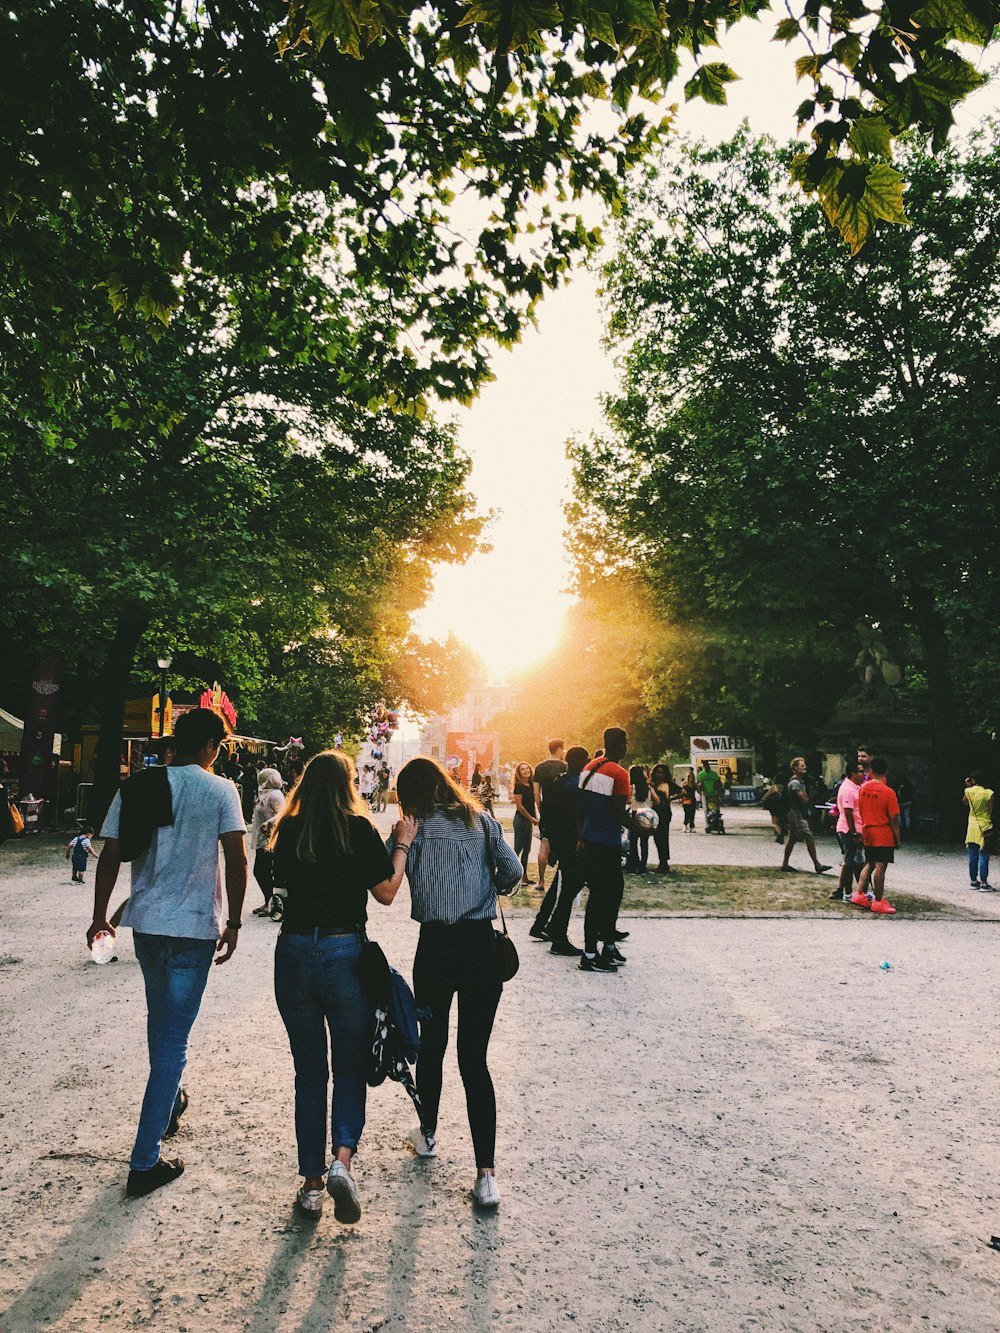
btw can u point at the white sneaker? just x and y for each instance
(485, 1192)
(341, 1189)
(423, 1146)
(309, 1202)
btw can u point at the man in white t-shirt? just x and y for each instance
(177, 818)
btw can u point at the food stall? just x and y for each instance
(728, 754)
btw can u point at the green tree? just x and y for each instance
(802, 443)
(218, 488)
(150, 114)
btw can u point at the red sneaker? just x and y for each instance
(882, 907)
(859, 899)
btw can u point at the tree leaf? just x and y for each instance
(787, 30)
(969, 23)
(708, 83)
(870, 137)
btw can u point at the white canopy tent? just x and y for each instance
(12, 733)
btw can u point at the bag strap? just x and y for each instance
(591, 772)
(491, 860)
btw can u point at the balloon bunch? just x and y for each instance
(382, 722)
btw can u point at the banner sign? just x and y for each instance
(37, 767)
(708, 747)
(465, 749)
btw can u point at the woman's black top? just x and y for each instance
(332, 892)
(527, 794)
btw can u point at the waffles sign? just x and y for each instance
(708, 747)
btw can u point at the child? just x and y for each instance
(80, 848)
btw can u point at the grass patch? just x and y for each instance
(738, 891)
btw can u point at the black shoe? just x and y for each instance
(538, 932)
(836, 896)
(612, 954)
(619, 935)
(144, 1182)
(564, 949)
(596, 964)
(180, 1106)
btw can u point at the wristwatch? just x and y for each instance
(233, 925)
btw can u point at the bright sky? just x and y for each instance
(508, 603)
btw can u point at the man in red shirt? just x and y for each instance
(604, 793)
(879, 832)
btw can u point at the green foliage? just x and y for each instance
(156, 124)
(218, 488)
(891, 63)
(802, 444)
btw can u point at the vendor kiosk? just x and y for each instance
(733, 754)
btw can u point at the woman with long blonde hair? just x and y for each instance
(454, 897)
(328, 858)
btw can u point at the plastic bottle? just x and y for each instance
(103, 947)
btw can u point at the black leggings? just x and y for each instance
(661, 836)
(567, 882)
(263, 872)
(689, 815)
(459, 959)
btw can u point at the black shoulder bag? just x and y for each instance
(506, 950)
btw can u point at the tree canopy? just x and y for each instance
(217, 488)
(803, 446)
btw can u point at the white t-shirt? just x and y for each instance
(177, 884)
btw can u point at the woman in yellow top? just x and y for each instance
(978, 838)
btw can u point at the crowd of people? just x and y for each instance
(315, 841)
(318, 844)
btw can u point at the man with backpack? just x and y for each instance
(604, 794)
(169, 822)
(547, 772)
(797, 813)
(561, 805)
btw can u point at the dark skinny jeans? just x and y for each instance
(459, 959)
(603, 868)
(661, 836)
(568, 881)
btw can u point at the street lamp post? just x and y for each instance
(163, 662)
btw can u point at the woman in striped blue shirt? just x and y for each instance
(454, 899)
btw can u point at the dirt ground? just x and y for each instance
(753, 1126)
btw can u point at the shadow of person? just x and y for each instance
(76, 1260)
(301, 1236)
(410, 1191)
(482, 1233)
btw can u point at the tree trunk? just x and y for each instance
(950, 759)
(115, 679)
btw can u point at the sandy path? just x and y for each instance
(753, 1127)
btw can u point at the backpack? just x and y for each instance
(396, 1027)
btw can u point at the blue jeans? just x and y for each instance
(317, 986)
(175, 971)
(522, 839)
(979, 863)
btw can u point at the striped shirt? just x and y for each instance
(448, 871)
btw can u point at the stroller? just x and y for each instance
(714, 823)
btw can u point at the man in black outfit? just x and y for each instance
(547, 772)
(561, 805)
(604, 794)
